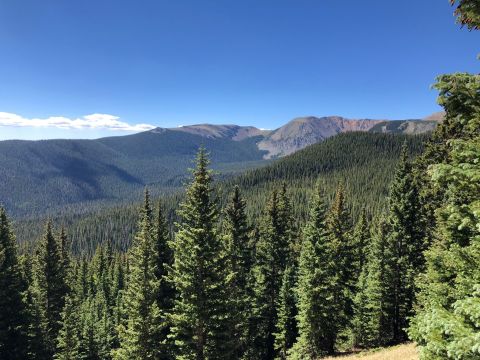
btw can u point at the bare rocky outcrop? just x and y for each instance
(304, 131)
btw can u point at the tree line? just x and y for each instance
(363, 162)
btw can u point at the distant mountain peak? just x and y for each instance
(303, 131)
(157, 130)
(229, 131)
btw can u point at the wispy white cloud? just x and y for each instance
(93, 121)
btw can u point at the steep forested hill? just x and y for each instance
(41, 177)
(364, 162)
(38, 176)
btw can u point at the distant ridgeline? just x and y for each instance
(47, 177)
(364, 162)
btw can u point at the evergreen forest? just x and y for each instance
(362, 241)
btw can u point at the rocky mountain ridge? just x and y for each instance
(304, 131)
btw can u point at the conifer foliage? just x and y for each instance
(313, 307)
(273, 254)
(13, 311)
(200, 315)
(370, 326)
(447, 324)
(50, 280)
(218, 289)
(406, 245)
(239, 261)
(140, 333)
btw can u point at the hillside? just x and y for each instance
(364, 162)
(41, 177)
(305, 131)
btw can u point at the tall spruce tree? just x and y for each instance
(140, 333)
(118, 285)
(66, 263)
(370, 325)
(239, 262)
(166, 290)
(273, 252)
(69, 335)
(318, 283)
(201, 316)
(361, 235)
(287, 325)
(447, 323)
(406, 244)
(37, 349)
(51, 284)
(287, 225)
(88, 347)
(13, 309)
(340, 280)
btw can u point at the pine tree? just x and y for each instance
(88, 340)
(341, 256)
(69, 335)
(406, 245)
(13, 312)
(200, 317)
(287, 327)
(315, 277)
(446, 323)
(82, 286)
(118, 285)
(105, 333)
(140, 333)
(98, 268)
(37, 349)
(370, 324)
(287, 224)
(64, 251)
(66, 263)
(166, 291)
(164, 258)
(272, 255)
(239, 260)
(361, 235)
(51, 284)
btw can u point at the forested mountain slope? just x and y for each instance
(304, 131)
(40, 177)
(364, 162)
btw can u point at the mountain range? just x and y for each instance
(34, 175)
(303, 131)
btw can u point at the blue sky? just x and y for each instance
(104, 67)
